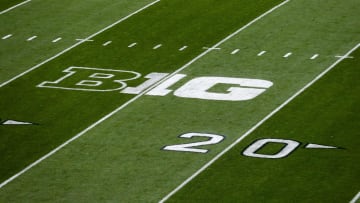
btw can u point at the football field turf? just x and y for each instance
(97, 101)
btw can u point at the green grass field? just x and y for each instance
(112, 89)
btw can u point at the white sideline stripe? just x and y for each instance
(357, 197)
(56, 40)
(107, 43)
(183, 48)
(287, 55)
(78, 43)
(132, 45)
(235, 51)
(157, 46)
(257, 125)
(7, 36)
(261, 53)
(314, 57)
(136, 97)
(17, 5)
(31, 38)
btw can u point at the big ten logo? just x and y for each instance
(160, 84)
(92, 79)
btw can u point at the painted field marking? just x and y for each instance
(314, 56)
(287, 55)
(77, 44)
(31, 38)
(17, 5)
(107, 43)
(261, 53)
(235, 51)
(136, 97)
(157, 46)
(85, 40)
(257, 125)
(7, 36)
(183, 48)
(356, 198)
(212, 48)
(132, 45)
(56, 40)
(348, 57)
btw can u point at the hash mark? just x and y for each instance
(157, 46)
(261, 53)
(132, 45)
(235, 51)
(183, 48)
(107, 43)
(287, 55)
(314, 57)
(56, 40)
(7, 36)
(31, 38)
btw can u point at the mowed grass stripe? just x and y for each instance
(121, 159)
(62, 114)
(328, 114)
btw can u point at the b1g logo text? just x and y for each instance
(158, 84)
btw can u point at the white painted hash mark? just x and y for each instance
(85, 40)
(317, 146)
(7, 36)
(17, 5)
(13, 122)
(348, 57)
(132, 45)
(258, 124)
(157, 46)
(261, 53)
(235, 51)
(314, 57)
(56, 40)
(107, 43)
(287, 55)
(31, 38)
(77, 44)
(356, 198)
(183, 48)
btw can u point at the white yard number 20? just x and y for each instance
(250, 151)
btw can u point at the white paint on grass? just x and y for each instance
(183, 48)
(317, 146)
(258, 124)
(136, 97)
(77, 44)
(348, 57)
(56, 40)
(212, 48)
(13, 7)
(31, 38)
(157, 46)
(261, 53)
(314, 56)
(235, 51)
(287, 55)
(107, 43)
(13, 122)
(85, 40)
(132, 45)
(7, 36)
(356, 198)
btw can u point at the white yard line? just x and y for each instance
(137, 97)
(356, 198)
(258, 124)
(11, 8)
(78, 43)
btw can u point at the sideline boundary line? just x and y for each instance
(13, 7)
(137, 96)
(77, 44)
(259, 124)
